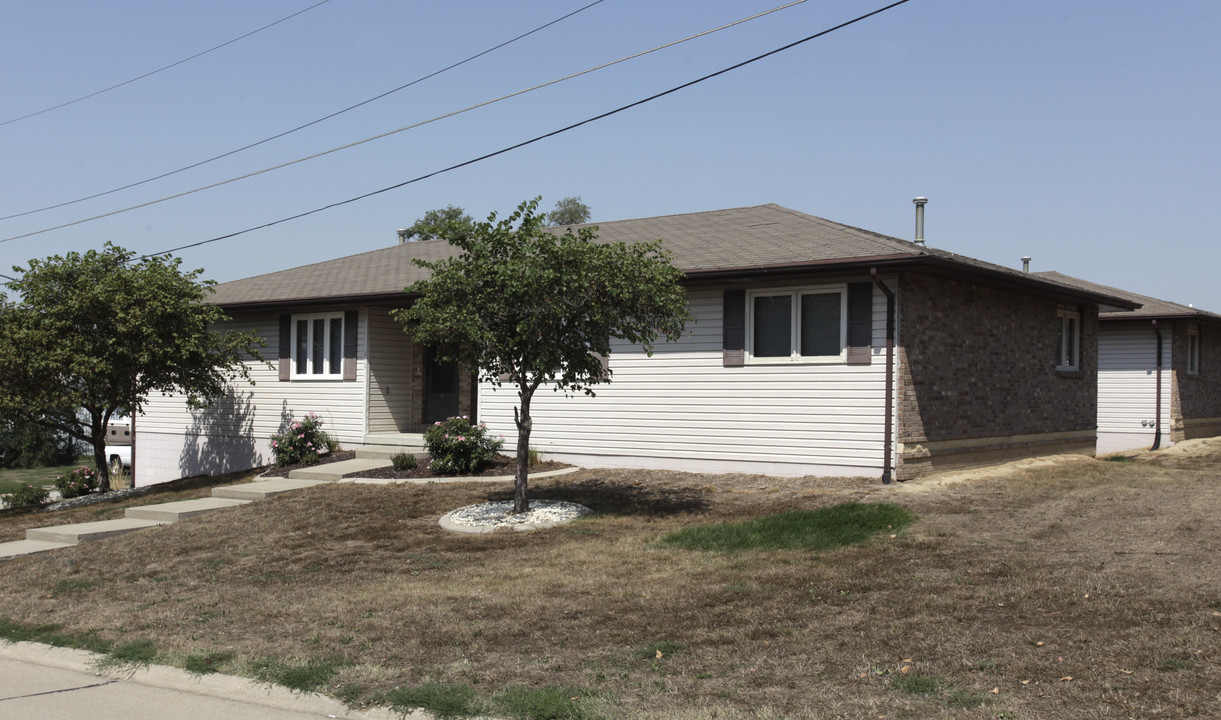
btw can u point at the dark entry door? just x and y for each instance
(440, 390)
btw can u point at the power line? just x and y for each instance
(160, 69)
(531, 141)
(399, 130)
(308, 124)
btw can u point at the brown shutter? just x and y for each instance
(860, 323)
(350, 319)
(733, 329)
(286, 347)
(605, 364)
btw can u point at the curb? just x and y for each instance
(227, 687)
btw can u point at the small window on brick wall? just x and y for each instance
(1193, 350)
(1068, 354)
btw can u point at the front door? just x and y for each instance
(440, 390)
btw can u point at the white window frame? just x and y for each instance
(1068, 319)
(335, 373)
(795, 295)
(1193, 350)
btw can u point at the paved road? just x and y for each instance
(45, 683)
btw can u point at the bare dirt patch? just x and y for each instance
(1077, 589)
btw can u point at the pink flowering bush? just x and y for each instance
(301, 442)
(28, 496)
(80, 481)
(458, 448)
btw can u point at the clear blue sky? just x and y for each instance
(1083, 134)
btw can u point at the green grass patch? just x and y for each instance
(137, 653)
(916, 684)
(205, 663)
(823, 529)
(1175, 664)
(69, 586)
(308, 676)
(12, 478)
(665, 647)
(440, 699)
(54, 634)
(550, 703)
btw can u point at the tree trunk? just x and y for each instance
(522, 420)
(103, 465)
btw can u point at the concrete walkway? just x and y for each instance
(54, 537)
(138, 518)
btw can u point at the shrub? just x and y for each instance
(28, 496)
(302, 442)
(403, 461)
(457, 447)
(80, 481)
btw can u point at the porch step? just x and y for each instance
(335, 471)
(90, 531)
(383, 446)
(181, 510)
(261, 489)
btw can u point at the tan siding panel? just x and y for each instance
(681, 403)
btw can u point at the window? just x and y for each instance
(1193, 350)
(1068, 356)
(797, 325)
(317, 346)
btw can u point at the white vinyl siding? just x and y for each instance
(390, 373)
(683, 406)
(1127, 386)
(257, 411)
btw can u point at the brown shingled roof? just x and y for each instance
(710, 244)
(1150, 307)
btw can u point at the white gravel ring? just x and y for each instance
(492, 516)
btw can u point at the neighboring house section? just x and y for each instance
(1135, 409)
(785, 368)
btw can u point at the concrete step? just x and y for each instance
(182, 509)
(387, 445)
(383, 452)
(335, 471)
(28, 547)
(260, 489)
(90, 531)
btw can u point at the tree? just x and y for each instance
(569, 211)
(540, 307)
(25, 444)
(447, 223)
(96, 333)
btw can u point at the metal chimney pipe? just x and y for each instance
(402, 235)
(1025, 264)
(920, 201)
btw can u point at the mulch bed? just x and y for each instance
(501, 465)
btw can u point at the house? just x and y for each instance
(1159, 371)
(816, 348)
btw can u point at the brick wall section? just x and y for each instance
(1195, 396)
(979, 362)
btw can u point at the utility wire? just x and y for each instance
(399, 130)
(160, 69)
(308, 124)
(538, 138)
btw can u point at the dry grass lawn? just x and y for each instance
(1072, 588)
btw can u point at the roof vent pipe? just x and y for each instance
(920, 201)
(1025, 264)
(402, 235)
